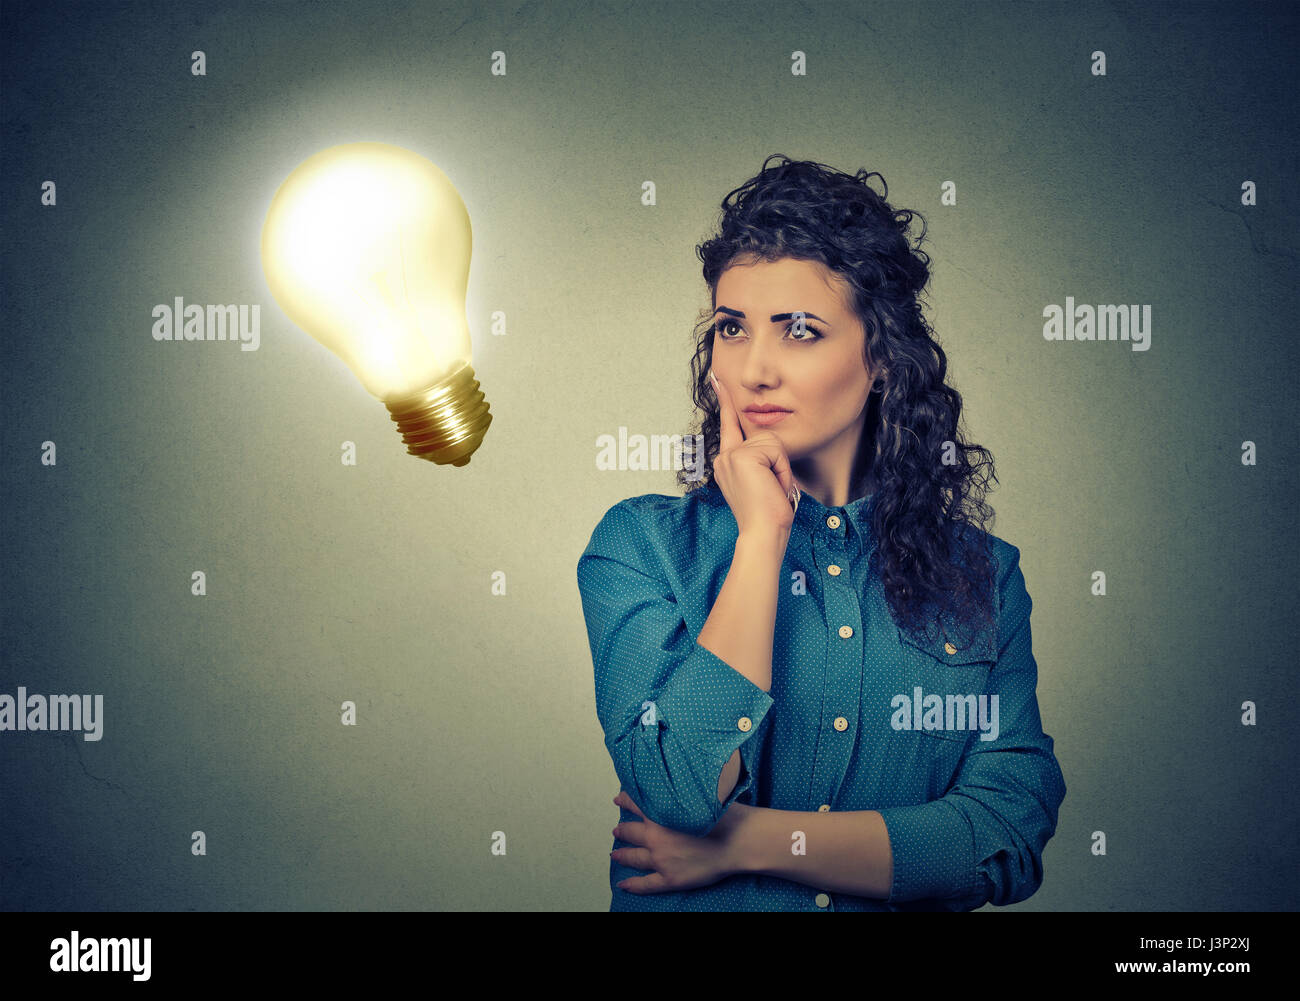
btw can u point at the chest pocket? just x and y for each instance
(957, 676)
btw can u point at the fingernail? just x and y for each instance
(713, 379)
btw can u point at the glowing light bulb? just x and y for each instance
(366, 247)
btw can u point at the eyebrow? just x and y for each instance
(775, 316)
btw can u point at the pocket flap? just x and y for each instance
(981, 649)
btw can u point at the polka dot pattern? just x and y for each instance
(968, 818)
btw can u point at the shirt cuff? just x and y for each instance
(709, 703)
(933, 848)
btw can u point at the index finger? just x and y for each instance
(729, 429)
(623, 799)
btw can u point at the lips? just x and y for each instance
(766, 418)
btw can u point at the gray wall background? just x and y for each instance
(372, 583)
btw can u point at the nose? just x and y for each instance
(759, 370)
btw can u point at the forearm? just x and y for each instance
(845, 852)
(740, 624)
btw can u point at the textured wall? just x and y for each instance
(372, 582)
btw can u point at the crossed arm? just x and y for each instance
(847, 852)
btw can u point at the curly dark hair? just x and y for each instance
(929, 515)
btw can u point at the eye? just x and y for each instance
(808, 328)
(814, 334)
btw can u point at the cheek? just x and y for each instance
(842, 396)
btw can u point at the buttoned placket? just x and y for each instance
(842, 684)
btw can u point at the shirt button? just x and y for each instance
(846, 632)
(841, 723)
(821, 900)
(949, 649)
(832, 522)
(744, 723)
(833, 570)
(824, 808)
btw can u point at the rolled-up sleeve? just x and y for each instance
(983, 840)
(673, 712)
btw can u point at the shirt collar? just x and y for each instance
(813, 516)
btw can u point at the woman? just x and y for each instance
(814, 670)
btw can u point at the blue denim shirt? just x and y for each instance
(848, 724)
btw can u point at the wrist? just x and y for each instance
(736, 830)
(762, 544)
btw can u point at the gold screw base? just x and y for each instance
(446, 422)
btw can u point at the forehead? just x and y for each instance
(784, 285)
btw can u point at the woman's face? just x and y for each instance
(763, 357)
